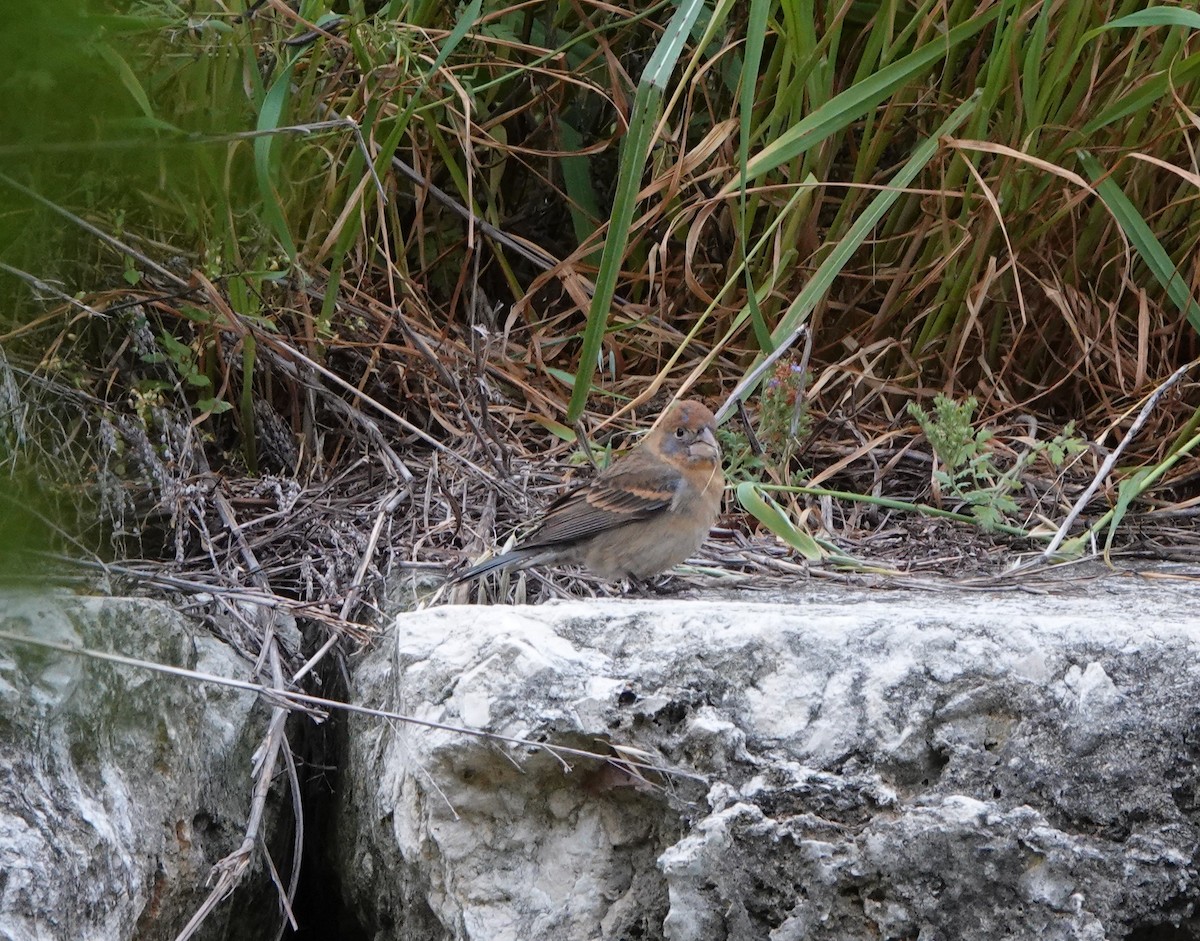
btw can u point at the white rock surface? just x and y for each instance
(875, 765)
(119, 788)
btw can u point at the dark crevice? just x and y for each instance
(320, 908)
(1185, 932)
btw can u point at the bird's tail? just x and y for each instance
(513, 559)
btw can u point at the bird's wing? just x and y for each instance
(611, 500)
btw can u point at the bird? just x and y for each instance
(643, 514)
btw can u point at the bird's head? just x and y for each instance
(689, 433)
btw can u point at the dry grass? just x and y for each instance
(442, 303)
(378, 365)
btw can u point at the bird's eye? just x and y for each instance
(680, 432)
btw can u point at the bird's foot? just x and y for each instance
(659, 585)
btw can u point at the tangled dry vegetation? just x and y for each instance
(322, 300)
(378, 280)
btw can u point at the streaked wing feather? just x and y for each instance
(609, 501)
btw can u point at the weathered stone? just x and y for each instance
(119, 788)
(888, 765)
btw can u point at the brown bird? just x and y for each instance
(645, 513)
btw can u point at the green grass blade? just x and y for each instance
(629, 176)
(581, 195)
(132, 84)
(647, 106)
(829, 269)
(756, 33)
(1143, 240)
(1139, 483)
(846, 108)
(1031, 73)
(269, 118)
(891, 503)
(1145, 94)
(1128, 490)
(469, 16)
(1156, 16)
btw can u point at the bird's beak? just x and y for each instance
(705, 445)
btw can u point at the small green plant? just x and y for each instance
(969, 472)
(599, 457)
(131, 274)
(186, 367)
(741, 463)
(783, 422)
(783, 417)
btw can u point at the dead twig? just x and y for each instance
(1111, 460)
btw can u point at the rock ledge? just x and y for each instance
(875, 765)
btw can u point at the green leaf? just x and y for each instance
(196, 314)
(1127, 491)
(179, 352)
(844, 109)
(466, 21)
(647, 106)
(577, 180)
(770, 514)
(987, 516)
(1143, 240)
(213, 406)
(1145, 93)
(128, 79)
(556, 428)
(1155, 16)
(270, 118)
(756, 32)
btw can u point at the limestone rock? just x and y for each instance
(877, 765)
(119, 788)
